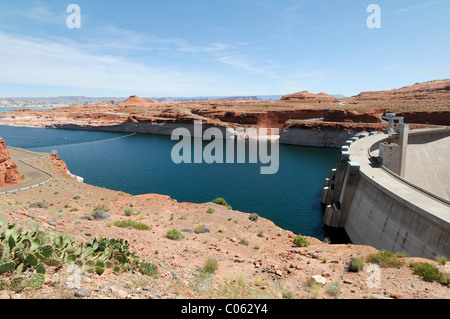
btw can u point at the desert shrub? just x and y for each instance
(222, 229)
(287, 294)
(442, 260)
(384, 259)
(174, 234)
(211, 265)
(253, 217)
(333, 288)
(72, 207)
(261, 233)
(39, 204)
(244, 241)
(444, 278)
(427, 271)
(430, 272)
(200, 229)
(301, 241)
(99, 212)
(149, 269)
(355, 265)
(129, 212)
(132, 224)
(221, 201)
(210, 210)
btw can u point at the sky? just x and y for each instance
(161, 48)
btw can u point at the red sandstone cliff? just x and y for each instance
(136, 101)
(423, 103)
(9, 173)
(438, 89)
(59, 164)
(304, 95)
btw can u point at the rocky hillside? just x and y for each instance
(438, 90)
(183, 251)
(9, 173)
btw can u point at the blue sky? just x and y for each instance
(159, 48)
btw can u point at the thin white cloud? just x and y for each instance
(41, 13)
(242, 63)
(422, 5)
(35, 61)
(26, 60)
(213, 48)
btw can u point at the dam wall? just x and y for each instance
(377, 207)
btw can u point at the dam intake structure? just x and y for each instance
(391, 190)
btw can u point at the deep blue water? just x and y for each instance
(142, 164)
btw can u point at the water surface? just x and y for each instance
(142, 164)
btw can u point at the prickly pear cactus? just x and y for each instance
(47, 251)
(36, 281)
(7, 267)
(40, 268)
(18, 284)
(31, 260)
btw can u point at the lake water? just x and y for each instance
(142, 164)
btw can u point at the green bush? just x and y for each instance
(39, 204)
(149, 269)
(244, 241)
(210, 210)
(132, 224)
(221, 201)
(301, 241)
(174, 234)
(200, 229)
(430, 272)
(129, 212)
(442, 260)
(211, 266)
(427, 271)
(99, 212)
(287, 294)
(253, 217)
(355, 265)
(333, 288)
(444, 278)
(384, 259)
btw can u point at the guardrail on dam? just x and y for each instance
(383, 203)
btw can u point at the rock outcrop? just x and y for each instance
(134, 100)
(305, 95)
(438, 89)
(9, 173)
(423, 103)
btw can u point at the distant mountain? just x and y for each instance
(202, 98)
(37, 102)
(338, 96)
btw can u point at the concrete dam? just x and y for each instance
(391, 191)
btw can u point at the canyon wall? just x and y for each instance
(9, 173)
